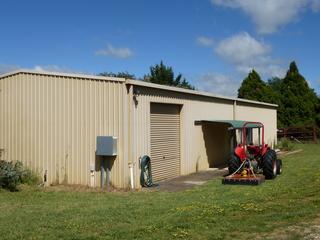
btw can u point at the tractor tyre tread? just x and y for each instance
(268, 162)
(273, 152)
(279, 166)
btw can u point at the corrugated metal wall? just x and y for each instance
(193, 151)
(193, 148)
(51, 123)
(266, 115)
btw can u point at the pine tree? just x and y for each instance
(164, 75)
(253, 88)
(119, 75)
(299, 102)
(275, 83)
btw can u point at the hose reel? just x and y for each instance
(146, 174)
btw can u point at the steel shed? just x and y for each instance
(50, 121)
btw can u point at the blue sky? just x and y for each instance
(213, 43)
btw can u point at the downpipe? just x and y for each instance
(131, 166)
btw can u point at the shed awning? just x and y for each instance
(234, 124)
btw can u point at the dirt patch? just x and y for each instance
(189, 181)
(172, 185)
(305, 230)
(287, 153)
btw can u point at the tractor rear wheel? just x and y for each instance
(234, 163)
(279, 166)
(270, 165)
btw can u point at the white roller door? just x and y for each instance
(165, 141)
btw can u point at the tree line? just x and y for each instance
(298, 104)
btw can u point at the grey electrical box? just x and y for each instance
(106, 146)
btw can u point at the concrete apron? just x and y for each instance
(188, 181)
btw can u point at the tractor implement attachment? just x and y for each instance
(238, 179)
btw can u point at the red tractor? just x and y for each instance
(248, 158)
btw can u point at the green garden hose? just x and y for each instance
(146, 175)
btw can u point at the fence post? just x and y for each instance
(314, 134)
(285, 132)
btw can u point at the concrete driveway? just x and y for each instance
(188, 181)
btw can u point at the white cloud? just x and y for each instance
(241, 47)
(205, 41)
(48, 68)
(115, 52)
(4, 68)
(270, 15)
(218, 84)
(246, 53)
(54, 68)
(315, 6)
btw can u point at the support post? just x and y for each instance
(235, 110)
(102, 172)
(108, 174)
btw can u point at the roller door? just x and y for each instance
(165, 141)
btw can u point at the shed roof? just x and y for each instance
(136, 83)
(62, 74)
(194, 92)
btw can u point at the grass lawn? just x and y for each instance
(285, 208)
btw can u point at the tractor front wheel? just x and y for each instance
(234, 163)
(279, 166)
(270, 165)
